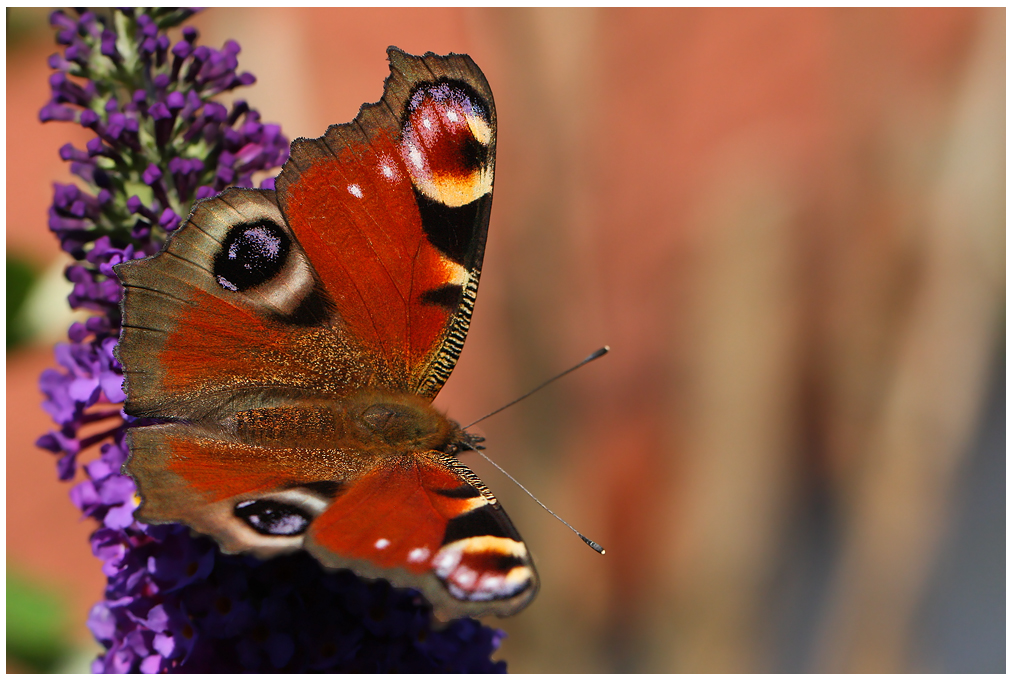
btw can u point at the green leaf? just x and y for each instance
(36, 624)
(21, 275)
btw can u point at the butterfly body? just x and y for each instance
(289, 344)
(370, 422)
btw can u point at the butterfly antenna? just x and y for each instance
(586, 540)
(600, 352)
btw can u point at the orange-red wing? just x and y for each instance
(420, 520)
(203, 478)
(199, 330)
(393, 210)
(426, 521)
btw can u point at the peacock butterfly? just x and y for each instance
(289, 344)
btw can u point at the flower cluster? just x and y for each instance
(161, 141)
(173, 601)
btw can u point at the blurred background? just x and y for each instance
(789, 227)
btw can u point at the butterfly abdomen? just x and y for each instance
(287, 426)
(373, 423)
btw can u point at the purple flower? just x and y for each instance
(174, 602)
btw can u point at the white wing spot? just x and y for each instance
(465, 577)
(386, 170)
(418, 555)
(451, 115)
(415, 155)
(382, 543)
(355, 191)
(427, 123)
(446, 560)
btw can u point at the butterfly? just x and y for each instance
(289, 344)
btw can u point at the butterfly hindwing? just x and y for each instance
(423, 521)
(428, 522)
(251, 498)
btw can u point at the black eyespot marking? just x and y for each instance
(447, 295)
(270, 517)
(251, 254)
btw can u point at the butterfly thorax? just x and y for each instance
(371, 422)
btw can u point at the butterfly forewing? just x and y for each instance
(185, 311)
(394, 207)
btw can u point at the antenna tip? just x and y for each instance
(592, 544)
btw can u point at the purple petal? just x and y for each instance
(56, 112)
(88, 118)
(175, 101)
(84, 496)
(84, 389)
(152, 174)
(102, 622)
(168, 219)
(109, 44)
(112, 386)
(77, 332)
(159, 111)
(66, 467)
(151, 664)
(165, 644)
(182, 49)
(99, 470)
(117, 489)
(94, 146)
(69, 153)
(215, 111)
(117, 124)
